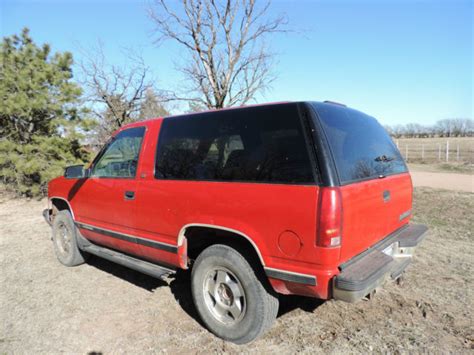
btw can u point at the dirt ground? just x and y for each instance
(450, 181)
(458, 168)
(102, 307)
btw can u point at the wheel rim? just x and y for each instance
(63, 240)
(224, 296)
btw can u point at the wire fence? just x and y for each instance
(440, 151)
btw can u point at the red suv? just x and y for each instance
(300, 198)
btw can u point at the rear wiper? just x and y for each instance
(384, 158)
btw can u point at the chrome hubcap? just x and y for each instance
(63, 240)
(224, 296)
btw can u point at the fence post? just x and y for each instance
(439, 151)
(406, 152)
(397, 145)
(457, 152)
(447, 151)
(422, 152)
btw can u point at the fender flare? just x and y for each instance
(182, 232)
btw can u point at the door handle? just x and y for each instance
(129, 195)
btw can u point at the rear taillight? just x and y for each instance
(330, 218)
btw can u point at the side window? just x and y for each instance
(260, 144)
(120, 157)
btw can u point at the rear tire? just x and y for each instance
(230, 297)
(65, 240)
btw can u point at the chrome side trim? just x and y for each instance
(130, 238)
(404, 215)
(182, 233)
(291, 276)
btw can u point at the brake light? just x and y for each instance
(330, 218)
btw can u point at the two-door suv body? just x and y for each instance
(300, 198)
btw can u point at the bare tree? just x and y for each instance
(224, 39)
(194, 107)
(461, 126)
(115, 93)
(444, 128)
(396, 131)
(448, 127)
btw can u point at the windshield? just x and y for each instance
(361, 147)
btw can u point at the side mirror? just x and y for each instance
(75, 172)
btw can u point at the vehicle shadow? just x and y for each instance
(181, 289)
(290, 303)
(180, 286)
(179, 283)
(134, 277)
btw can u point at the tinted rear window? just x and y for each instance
(361, 147)
(259, 144)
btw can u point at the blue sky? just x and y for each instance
(398, 60)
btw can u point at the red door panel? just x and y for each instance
(100, 203)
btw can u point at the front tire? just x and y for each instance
(229, 296)
(65, 241)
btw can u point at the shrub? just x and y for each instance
(27, 168)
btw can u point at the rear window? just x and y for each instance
(361, 147)
(258, 144)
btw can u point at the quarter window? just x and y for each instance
(119, 158)
(361, 147)
(259, 144)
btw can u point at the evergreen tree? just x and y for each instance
(40, 118)
(151, 106)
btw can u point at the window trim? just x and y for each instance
(327, 165)
(106, 146)
(315, 181)
(310, 142)
(371, 178)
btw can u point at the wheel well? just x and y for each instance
(60, 204)
(199, 238)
